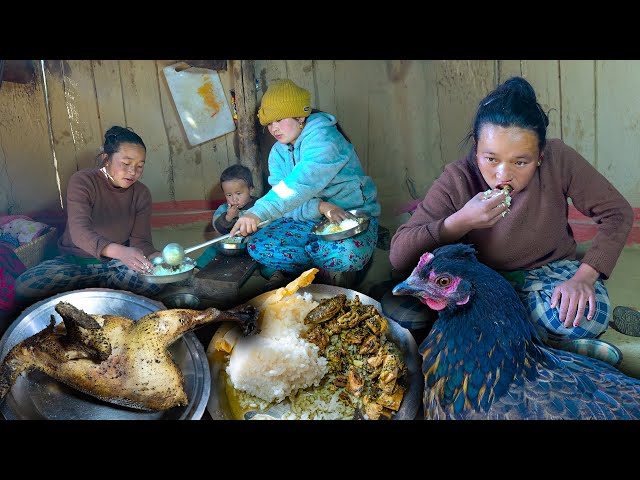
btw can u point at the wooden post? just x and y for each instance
(245, 88)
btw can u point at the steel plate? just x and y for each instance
(218, 404)
(36, 396)
(351, 232)
(174, 277)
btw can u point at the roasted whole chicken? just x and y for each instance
(113, 358)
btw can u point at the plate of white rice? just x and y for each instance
(278, 370)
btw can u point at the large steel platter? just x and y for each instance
(219, 407)
(36, 396)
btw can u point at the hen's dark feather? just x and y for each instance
(484, 360)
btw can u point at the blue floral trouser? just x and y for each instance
(60, 275)
(289, 246)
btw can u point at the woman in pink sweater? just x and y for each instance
(107, 242)
(525, 234)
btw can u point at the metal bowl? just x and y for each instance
(36, 396)
(325, 222)
(591, 347)
(181, 300)
(231, 248)
(219, 407)
(175, 277)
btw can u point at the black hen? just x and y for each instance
(484, 360)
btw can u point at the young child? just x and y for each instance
(237, 184)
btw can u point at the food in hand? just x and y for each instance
(114, 358)
(504, 190)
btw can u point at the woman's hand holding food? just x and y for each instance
(482, 211)
(485, 209)
(574, 294)
(246, 225)
(334, 213)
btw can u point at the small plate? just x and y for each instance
(325, 222)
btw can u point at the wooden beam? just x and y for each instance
(18, 71)
(210, 64)
(245, 89)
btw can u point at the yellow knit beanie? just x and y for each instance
(284, 99)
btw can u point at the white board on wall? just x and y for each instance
(201, 103)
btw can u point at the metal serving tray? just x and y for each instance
(36, 396)
(218, 404)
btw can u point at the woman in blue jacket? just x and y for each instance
(314, 172)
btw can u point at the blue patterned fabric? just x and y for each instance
(62, 275)
(9, 239)
(289, 246)
(535, 292)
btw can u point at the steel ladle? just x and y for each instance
(173, 253)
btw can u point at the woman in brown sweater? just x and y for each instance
(525, 234)
(107, 242)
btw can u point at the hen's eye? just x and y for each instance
(443, 281)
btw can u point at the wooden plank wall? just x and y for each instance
(406, 118)
(28, 172)
(84, 98)
(403, 116)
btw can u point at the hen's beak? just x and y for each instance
(404, 289)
